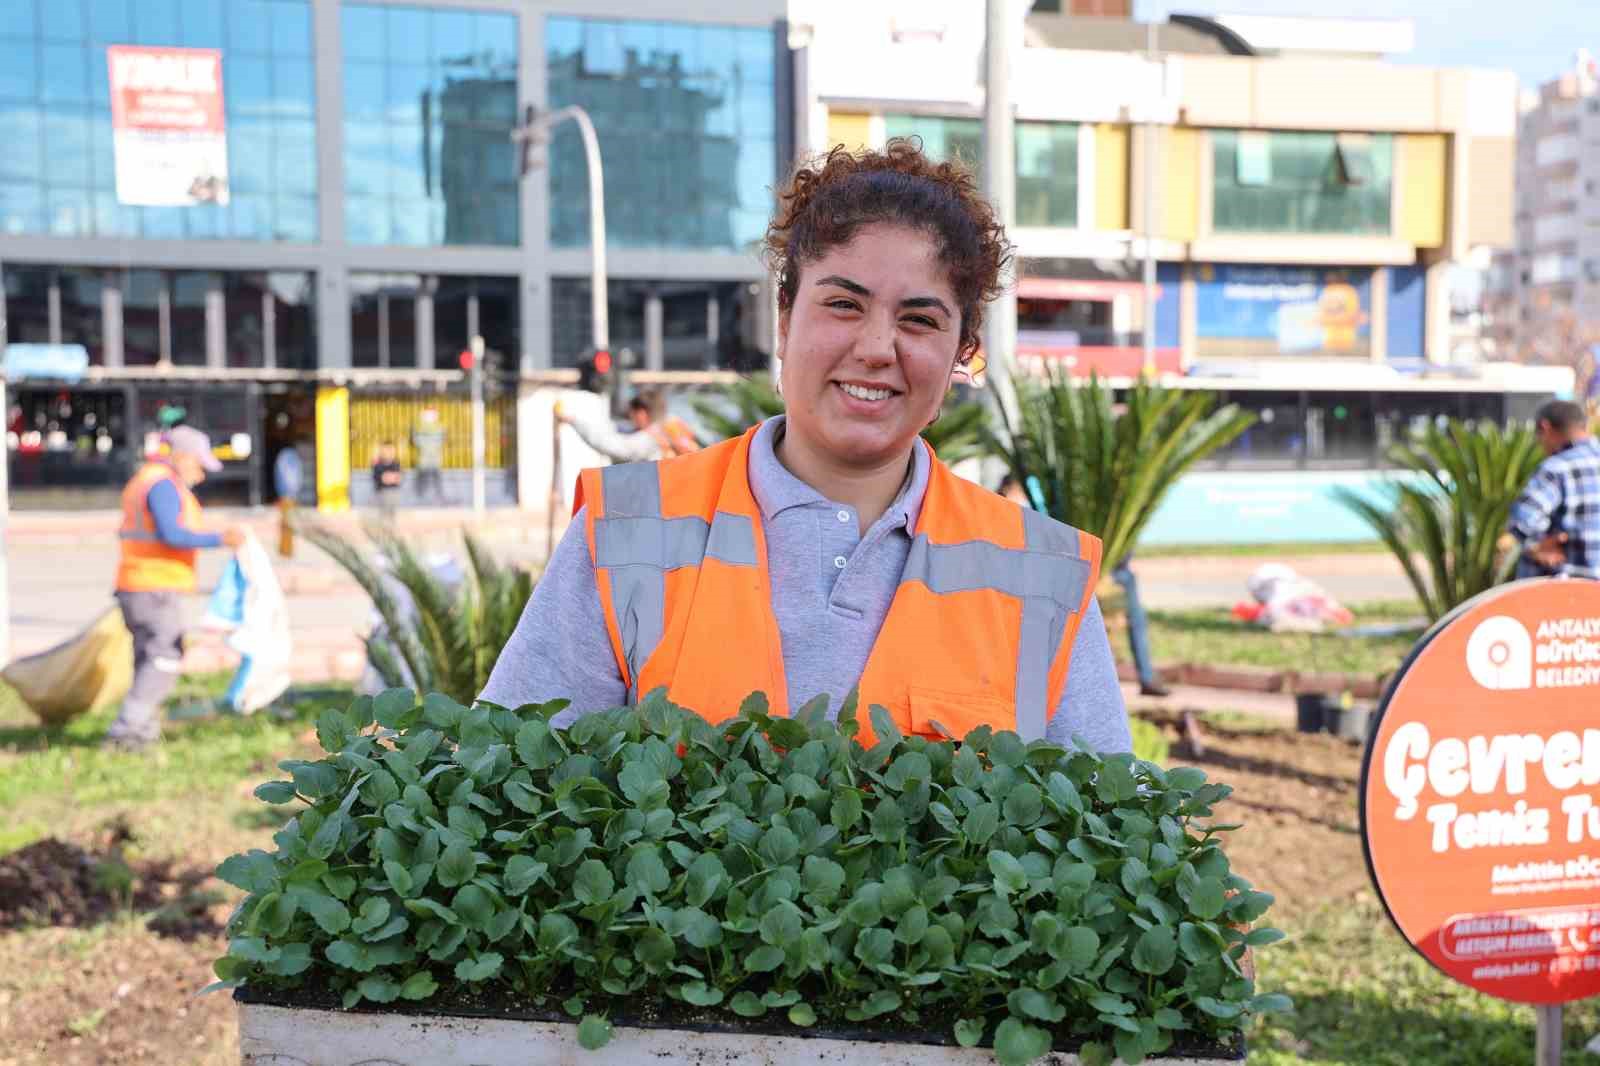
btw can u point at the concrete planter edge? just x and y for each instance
(302, 1036)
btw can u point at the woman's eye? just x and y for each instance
(922, 320)
(843, 305)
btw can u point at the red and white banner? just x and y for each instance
(168, 126)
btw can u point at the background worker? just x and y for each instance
(1556, 520)
(162, 531)
(656, 435)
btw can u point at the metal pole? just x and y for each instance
(1547, 1049)
(597, 224)
(999, 185)
(475, 377)
(1149, 181)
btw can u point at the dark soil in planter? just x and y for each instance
(55, 883)
(663, 1014)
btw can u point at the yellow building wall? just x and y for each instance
(377, 418)
(1110, 177)
(1180, 183)
(849, 128)
(333, 449)
(1422, 160)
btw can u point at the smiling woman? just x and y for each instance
(828, 554)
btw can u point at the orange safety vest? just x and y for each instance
(673, 437)
(148, 564)
(980, 631)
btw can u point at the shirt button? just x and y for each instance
(844, 516)
(838, 562)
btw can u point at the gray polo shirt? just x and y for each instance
(831, 590)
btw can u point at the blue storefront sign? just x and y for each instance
(1251, 311)
(58, 362)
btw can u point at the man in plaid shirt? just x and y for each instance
(1557, 517)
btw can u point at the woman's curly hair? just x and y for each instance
(830, 197)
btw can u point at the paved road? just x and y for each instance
(61, 569)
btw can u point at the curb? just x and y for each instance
(1264, 680)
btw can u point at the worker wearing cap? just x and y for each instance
(162, 531)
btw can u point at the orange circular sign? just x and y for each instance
(1480, 793)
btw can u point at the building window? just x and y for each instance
(1290, 182)
(703, 324)
(1047, 160)
(268, 320)
(468, 306)
(430, 97)
(687, 120)
(383, 320)
(58, 172)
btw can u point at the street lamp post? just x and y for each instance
(534, 136)
(999, 184)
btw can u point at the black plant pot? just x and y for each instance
(1311, 711)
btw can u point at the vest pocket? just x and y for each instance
(940, 715)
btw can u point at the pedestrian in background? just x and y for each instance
(387, 480)
(162, 531)
(288, 475)
(1556, 520)
(428, 440)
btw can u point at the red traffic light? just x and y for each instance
(465, 359)
(602, 362)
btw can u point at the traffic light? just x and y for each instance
(594, 371)
(465, 359)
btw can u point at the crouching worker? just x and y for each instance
(162, 531)
(828, 549)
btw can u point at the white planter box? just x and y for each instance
(284, 1036)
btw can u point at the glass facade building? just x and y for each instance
(57, 175)
(376, 219)
(430, 97)
(688, 120)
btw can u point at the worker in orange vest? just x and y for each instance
(162, 531)
(827, 550)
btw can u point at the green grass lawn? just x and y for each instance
(1364, 998)
(1213, 636)
(55, 780)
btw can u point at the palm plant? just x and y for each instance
(434, 637)
(1105, 467)
(954, 437)
(1443, 518)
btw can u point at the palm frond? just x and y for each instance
(1442, 518)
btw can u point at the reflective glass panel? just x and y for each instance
(55, 107)
(1301, 182)
(430, 99)
(670, 101)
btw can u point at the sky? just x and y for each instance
(1535, 38)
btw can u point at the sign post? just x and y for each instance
(475, 377)
(1480, 797)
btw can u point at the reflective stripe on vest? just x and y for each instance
(638, 545)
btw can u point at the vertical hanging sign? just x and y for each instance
(167, 126)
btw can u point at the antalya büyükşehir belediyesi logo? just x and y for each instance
(1500, 654)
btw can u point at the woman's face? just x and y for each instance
(868, 346)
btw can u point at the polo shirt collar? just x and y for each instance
(777, 490)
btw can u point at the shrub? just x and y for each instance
(761, 867)
(1104, 466)
(434, 636)
(1443, 523)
